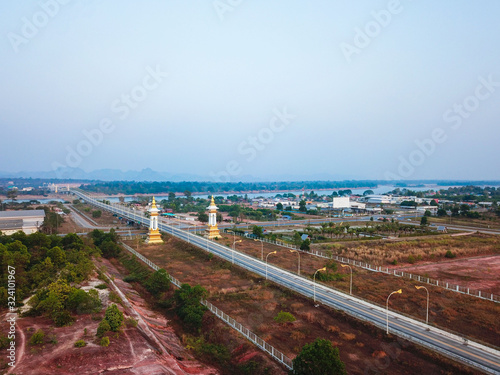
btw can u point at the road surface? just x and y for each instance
(474, 354)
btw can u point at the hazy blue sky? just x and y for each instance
(357, 83)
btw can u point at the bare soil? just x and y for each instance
(479, 273)
(449, 310)
(254, 303)
(152, 348)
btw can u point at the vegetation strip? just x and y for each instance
(276, 354)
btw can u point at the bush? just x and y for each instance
(96, 214)
(411, 259)
(81, 302)
(104, 341)
(449, 254)
(102, 286)
(103, 328)
(80, 344)
(62, 318)
(284, 317)
(188, 306)
(131, 322)
(114, 317)
(158, 282)
(38, 337)
(319, 357)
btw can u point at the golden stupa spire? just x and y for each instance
(212, 203)
(153, 204)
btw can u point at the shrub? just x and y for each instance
(38, 337)
(62, 318)
(114, 317)
(284, 317)
(131, 322)
(449, 254)
(96, 213)
(319, 357)
(158, 282)
(103, 328)
(188, 306)
(80, 344)
(411, 259)
(104, 341)
(102, 286)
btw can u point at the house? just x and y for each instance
(28, 221)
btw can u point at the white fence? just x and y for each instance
(386, 270)
(276, 354)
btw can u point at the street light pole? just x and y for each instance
(350, 285)
(298, 268)
(387, 308)
(261, 249)
(234, 248)
(272, 252)
(427, 314)
(314, 282)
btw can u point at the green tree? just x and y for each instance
(441, 212)
(306, 244)
(58, 256)
(110, 249)
(96, 213)
(368, 192)
(427, 213)
(171, 196)
(297, 240)
(279, 206)
(302, 206)
(318, 358)
(258, 231)
(114, 317)
(158, 282)
(203, 217)
(103, 328)
(424, 221)
(188, 306)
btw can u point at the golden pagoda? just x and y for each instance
(212, 230)
(154, 235)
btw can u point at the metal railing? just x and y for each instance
(249, 335)
(439, 283)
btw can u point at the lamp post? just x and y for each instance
(387, 308)
(350, 284)
(298, 268)
(261, 249)
(272, 252)
(314, 282)
(427, 314)
(234, 248)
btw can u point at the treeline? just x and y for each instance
(49, 267)
(127, 187)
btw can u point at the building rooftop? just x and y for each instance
(21, 214)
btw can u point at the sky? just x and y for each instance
(230, 88)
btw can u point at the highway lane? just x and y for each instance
(474, 354)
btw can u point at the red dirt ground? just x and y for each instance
(150, 348)
(480, 273)
(254, 303)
